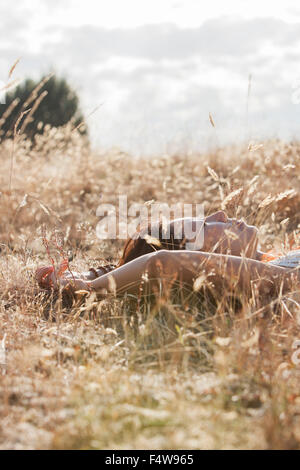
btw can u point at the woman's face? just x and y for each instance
(229, 236)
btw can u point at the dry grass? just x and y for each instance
(116, 374)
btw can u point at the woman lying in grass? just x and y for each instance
(229, 260)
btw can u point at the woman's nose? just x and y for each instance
(219, 216)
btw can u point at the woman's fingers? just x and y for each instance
(46, 277)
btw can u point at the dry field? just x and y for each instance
(117, 374)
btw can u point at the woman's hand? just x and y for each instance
(47, 278)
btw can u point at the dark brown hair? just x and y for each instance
(142, 244)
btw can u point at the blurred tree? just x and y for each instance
(49, 101)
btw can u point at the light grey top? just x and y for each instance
(290, 260)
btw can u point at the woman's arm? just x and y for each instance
(223, 271)
(233, 272)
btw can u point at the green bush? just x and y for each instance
(32, 104)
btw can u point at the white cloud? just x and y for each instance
(159, 81)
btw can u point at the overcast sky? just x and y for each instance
(158, 68)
